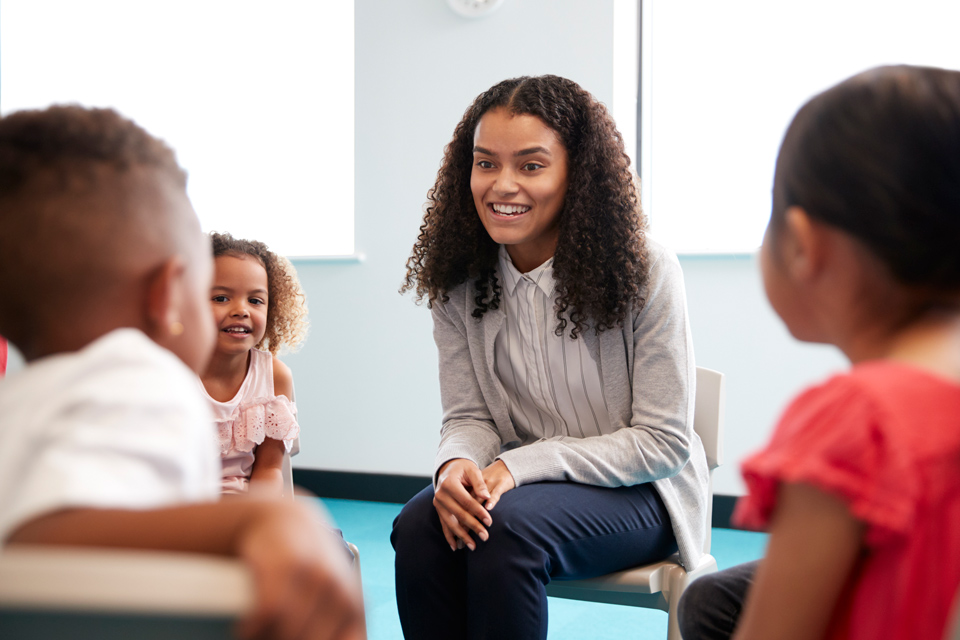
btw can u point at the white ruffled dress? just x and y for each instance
(243, 422)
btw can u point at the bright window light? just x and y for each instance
(722, 80)
(256, 99)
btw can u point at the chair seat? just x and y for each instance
(628, 587)
(123, 581)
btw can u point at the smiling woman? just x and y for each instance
(566, 372)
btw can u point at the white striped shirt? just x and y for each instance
(552, 382)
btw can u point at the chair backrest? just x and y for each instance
(709, 412)
(287, 471)
(708, 423)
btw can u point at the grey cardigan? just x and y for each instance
(648, 375)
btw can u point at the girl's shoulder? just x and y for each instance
(282, 379)
(272, 369)
(891, 414)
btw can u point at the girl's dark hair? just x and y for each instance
(600, 263)
(878, 156)
(286, 302)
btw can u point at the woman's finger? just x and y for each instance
(447, 533)
(468, 509)
(464, 515)
(499, 480)
(459, 521)
(475, 479)
(494, 499)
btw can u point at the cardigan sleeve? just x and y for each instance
(659, 438)
(468, 429)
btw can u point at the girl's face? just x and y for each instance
(519, 180)
(239, 300)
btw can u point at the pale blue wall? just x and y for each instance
(367, 378)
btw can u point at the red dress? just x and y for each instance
(885, 438)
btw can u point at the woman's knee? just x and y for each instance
(416, 520)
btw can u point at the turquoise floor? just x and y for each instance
(367, 524)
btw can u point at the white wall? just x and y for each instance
(367, 378)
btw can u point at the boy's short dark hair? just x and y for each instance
(70, 136)
(74, 203)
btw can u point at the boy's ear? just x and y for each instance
(804, 249)
(164, 293)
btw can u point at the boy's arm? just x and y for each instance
(815, 543)
(301, 576)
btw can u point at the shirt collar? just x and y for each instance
(542, 276)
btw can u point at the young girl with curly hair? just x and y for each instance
(567, 447)
(258, 307)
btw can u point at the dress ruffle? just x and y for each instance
(257, 419)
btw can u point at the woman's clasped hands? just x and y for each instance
(464, 497)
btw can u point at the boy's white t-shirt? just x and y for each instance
(119, 424)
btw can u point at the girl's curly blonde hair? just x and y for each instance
(286, 303)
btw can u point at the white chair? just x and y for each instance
(660, 585)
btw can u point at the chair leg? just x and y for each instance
(677, 581)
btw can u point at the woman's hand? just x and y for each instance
(458, 500)
(499, 480)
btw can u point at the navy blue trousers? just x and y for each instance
(541, 532)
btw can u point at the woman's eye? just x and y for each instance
(532, 166)
(485, 164)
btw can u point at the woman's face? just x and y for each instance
(519, 180)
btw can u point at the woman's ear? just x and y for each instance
(803, 246)
(164, 296)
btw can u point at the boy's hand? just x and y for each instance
(305, 587)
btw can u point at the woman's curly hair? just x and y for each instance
(600, 263)
(286, 302)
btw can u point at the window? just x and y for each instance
(256, 98)
(720, 82)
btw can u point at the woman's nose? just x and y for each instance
(505, 183)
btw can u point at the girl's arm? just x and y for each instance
(267, 474)
(266, 478)
(303, 583)
(815, 543)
